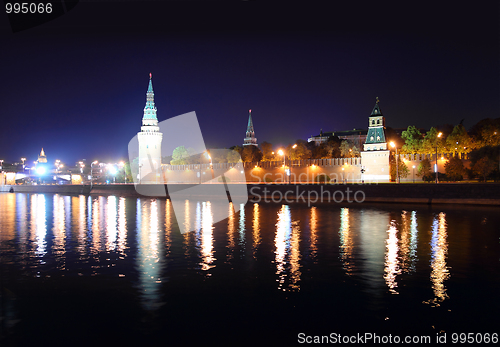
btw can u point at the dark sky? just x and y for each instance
(76, 85)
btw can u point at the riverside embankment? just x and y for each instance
(443, 193)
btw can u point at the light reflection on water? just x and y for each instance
(439, 249)
(139, 239)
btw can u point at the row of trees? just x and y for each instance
(456, 140)
(481, 143)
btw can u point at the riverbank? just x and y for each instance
(425, 193)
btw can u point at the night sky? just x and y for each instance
(76, 85)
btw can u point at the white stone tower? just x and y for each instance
(375, 155)
(150, 139)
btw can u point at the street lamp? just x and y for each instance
(23, 159)
(436, 166)
(413, 173)
(1, 164)
(112, 170)
(393, 145)
(290, 167)
(122, 165)
(92, 172)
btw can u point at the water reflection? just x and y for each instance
(22, 217)
(391, 268)
(439, 251)
(122, 227)
(204, 233)
(231, 242)
(149, 253)
(287, 253)
(257, 239)
(241, 230)
(58, 231)
(111, 223)
(346, 241)
(78, 208)
(313, 239)
(38, 225)
(377, 247)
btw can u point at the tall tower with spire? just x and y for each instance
(250, 138)
(149, 139)
(375, 155)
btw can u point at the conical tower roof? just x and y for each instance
(376, 109)
(250, 123)
(150, 108)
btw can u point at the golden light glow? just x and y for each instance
(314, 233)
(346, 242)
(257, 239)
(439, 135)
(392, 144)
(294, 146)
(280, 152)
(207, 240)
(439, 252)
(391, 266)
(287, 243)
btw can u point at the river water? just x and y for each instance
(87, 269)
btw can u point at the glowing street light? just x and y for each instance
(1, 164)
(23, 159)
(92, 172)
(413, 173)
(393, 145)
(436, 166)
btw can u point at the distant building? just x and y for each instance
(250, 138)
(149, 139)
(42, 158)
(356, 136)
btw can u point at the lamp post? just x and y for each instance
(436, 166)
(1, 164)
(23, 159)
(280, 152)
(393, 145)
(413, 173)
(290, 167)
(122, 166)
(92, 173)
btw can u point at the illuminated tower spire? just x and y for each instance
(250, 135)
(42, 158)
(150, 108)
(150, 139)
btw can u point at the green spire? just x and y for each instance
(150, 108)
(250, 123)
